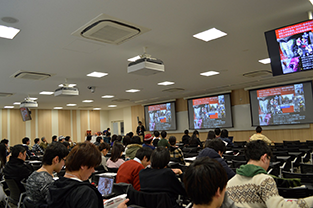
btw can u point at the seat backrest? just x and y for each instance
(306, 168)
(305, 178)
(14, 188)
(294, 193)
(237, 163)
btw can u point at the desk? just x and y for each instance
(190, 159)
(283, 158)
(34, 161)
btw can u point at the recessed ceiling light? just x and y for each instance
(8, 106)
(97, 109)
(209, 73)
(210, 34)
(133, 90)
(71, 104)
(8, 32)
(166, 83)
(70, 85)
(17, 103)
(46, 93)
(87, 101)
(107, 96)
(134, 58)
(112, 106)
(97, 74)
(33, 98)
(58, 108)
(267, 60)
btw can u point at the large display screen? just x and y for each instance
(160, 117)
(287, 104)
(210, 112)
(290, 48)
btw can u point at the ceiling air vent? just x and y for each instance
(31, 75)
(109, 30)
(4, 94)
(173, 90)
(121, 100)
(259, 73)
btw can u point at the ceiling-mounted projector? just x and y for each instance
(28, 103)
(145, 66)
(66, 90)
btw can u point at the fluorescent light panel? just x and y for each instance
(133, 59)
(97, 74)
(57, 108)
(267, 60)
(46, 93)
(210, 34)
(71, 104)
(8, 106)
(8, 32)
(112, 106)
(133, 90)
(70, 85)
(33, 98)
(17, 103)
(87, 101)
(97, 109)
(107, 96)
(209, 73)
(166, 83)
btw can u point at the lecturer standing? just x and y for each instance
(140, 130)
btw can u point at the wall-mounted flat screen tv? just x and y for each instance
(25, 112)
(210, 112)
(290, 48)
(160, 117)
(285, 104)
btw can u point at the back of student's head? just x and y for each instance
(186, 132)
(202, 180)
(172, 140)
(195, 133)
(217, 131)
(211, 135)
(163, 134)
(224, 133)
(255, 149)
(144, 151)
(103, 146)
(83, 154)
(66, 144)
(89, 137)
(160, 157)
(36, 140)
(98, 139)
(130, 134)
(216, 144)
(25, 140)
(119, 138)
(156, 133)
(117, 150)
(258, 129)
(53, 150)
(108, 134)
(126, 140)
(3, 155)
(16, 149)
(67, 138)
(54, 137)
(5, 141)
(135, 140)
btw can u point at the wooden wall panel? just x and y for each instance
(181, 105)
(137, 111)
(74, 123)
(33, 124)
(4, 124)
(64, 122)
(44, 124)
(17, 127)
(83, 123)
(94, 117)
(240, 97)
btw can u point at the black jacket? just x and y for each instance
(70, 193)
(185, 139)
(211, 153)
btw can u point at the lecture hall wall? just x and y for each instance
(76, 122)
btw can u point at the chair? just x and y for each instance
(16, 195)
(238, 163)
(112, 170)
(306, 168)
(305, 178)
(295, 193)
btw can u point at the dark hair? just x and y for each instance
(135, 140)
(258, 129)
(54, 137)
(156, 133)
(66, 144)
(217, 131)
(119, 138)
(114, 137)
(211, 135)
(163, 134)
(186, 132)
(194, 139)
(36, 140)
(43, 138)
(203, 178)
(144, 151)
(126, 140)
(25, 140)
(224, 133)
(160, 157)
(216, 144)
(255, 149)
(3, 154)
(98, 139)
(130, 134)
(88, 138)
(103, 146)
(117, 149)
(172, 140)
(5, 141)
(107, 134)
(139, 122)
(83, 154)
(67, 138)
(53, 150)
(108, 129)
(15, 151)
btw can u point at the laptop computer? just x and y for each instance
(105, 186)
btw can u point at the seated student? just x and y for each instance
(253, 187)
(54, 138)
(5, 142)
(176, 154)
(194, 140)
(158, 178)
(25, 143)
(186, 138)
(38, 182)
(224, 137)
(98, 141)
(131, 149)
(205, 183)
(61, 139)
(211, 135)
(215, 149)
(16, 168)
(156, 138)
(73, 190)
(88, 138)
(107, 138)
(114, 138)
(128, 172)
(66, 144)
(217, 132)
(68, 139)
(44, 144)
(115, 161)
(104, 149)
(36, 148)
(163, 141)
(126, 140)
(147, 141)
(259, 136)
